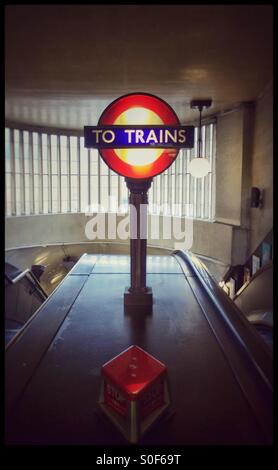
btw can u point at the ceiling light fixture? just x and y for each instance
(199, 166)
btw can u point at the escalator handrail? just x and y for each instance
(18, 277)
(264, 268)
(31, 278)
(242, 330)
(38, 285)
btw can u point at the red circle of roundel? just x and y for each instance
(165, 113)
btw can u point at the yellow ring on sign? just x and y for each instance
(136, 116)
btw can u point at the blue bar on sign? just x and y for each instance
(139, 136)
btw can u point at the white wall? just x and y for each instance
(229, 154)
(233, 181)
(245, 159)
(262, 167)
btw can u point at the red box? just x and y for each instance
(134, 391)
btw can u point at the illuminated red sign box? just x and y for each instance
(134, 391)
(139, 136)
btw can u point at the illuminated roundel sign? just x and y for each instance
(139, 135)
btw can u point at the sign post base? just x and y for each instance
(140, 301)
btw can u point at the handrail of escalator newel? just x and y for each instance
(241, 329)
(258, 273)
(20, 276)
(38, 286)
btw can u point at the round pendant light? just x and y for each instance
(199, 166)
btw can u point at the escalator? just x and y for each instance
(219, 367)
(250, 285)
(23, 296)
(255, 300)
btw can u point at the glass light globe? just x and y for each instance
(199, 167)
(137, 116)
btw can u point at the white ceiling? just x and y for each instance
(65, 63)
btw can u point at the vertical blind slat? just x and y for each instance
(32, 176)
(78, 176)
(40, 173)
(68, 173)
(13, 179)
(22, 173)
(49, 169)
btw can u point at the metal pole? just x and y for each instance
(199, 132)
(138, 296)
(138, 245)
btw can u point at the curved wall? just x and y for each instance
(210, 239)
